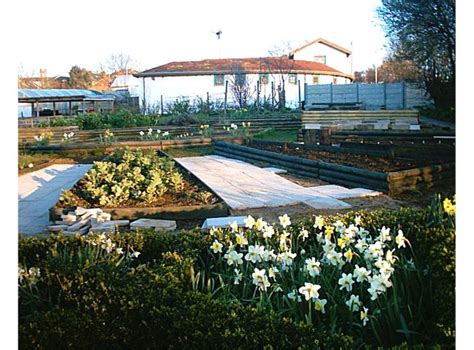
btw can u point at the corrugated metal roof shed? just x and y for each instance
(28, 95)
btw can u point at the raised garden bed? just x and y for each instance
(151, 186)
(357, 170)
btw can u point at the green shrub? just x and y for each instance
(74, 294)
(122, 118)
(134, 177)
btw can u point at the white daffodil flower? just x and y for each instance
(319, 305)
(354, 303)
(310, 291)
(135, 255)
(361, 274)
(268, 231)
(216, 247)
(318, 222)
(142, 133)
(260, 279)
(272, 271)
(233, 258)
(284, 220)
(385, 234)
(346, 281)
(238, 276)
(119, 251)
(358, 220)
(260, 224)
(313, 267)
(249, 222)
(255, 253)
(364, 316)
(234, 226)
(400, 239)
(304, 233)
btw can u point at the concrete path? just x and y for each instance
(40, 190)
(242, 185)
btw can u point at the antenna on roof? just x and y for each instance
(218, 33)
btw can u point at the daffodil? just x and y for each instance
(260, 279)
(318, 222)
(310, 291)
(216, 247)
(313, 267)
(268, 231)
(358, 220)
(255, 253)
(354, 303)
(142, 133)
(400, 239)
(135, 255)
(233, 258)
(234, 226)
(249, 222)
(238, 276)
(284, 220)
(348, 255)
(304, 234)
(272, 271)
(361, 274)
(329, 230)
(385, 234)
(346, 281)
(319, 305)
(260, 224)
(449, 207)
(364, 316)
(241, 240)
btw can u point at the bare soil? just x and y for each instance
(354, 160)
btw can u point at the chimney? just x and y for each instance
(43, 73)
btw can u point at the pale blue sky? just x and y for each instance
(153, 33)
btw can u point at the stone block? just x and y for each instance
(400, 127)
(223, 222)
(104, 227)
(81, 231)
(158, 225)
(58, 228)
(415, 127)
(68, 218)
(312, 126)
(79, 224)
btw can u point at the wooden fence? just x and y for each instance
(369, 96)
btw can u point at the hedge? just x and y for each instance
(84, 300)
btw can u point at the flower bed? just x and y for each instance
(394, 182)
(152, 290)
(131, 184)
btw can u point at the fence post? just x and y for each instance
(161, 105)
(208, 103)
(299, 94)
(305, 95)
(273, 96)
(225, 98)
(404, 95)
(330, 90)
(258, 95)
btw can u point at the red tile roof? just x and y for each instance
(276, 65)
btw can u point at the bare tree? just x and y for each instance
(240, 87)
(279, 66)
(118, 63)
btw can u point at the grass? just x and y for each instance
(277, 135)
(190, 151)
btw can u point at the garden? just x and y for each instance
(358, 280)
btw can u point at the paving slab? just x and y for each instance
(223, 222)
(40, 190)
(242, 185)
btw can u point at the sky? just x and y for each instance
(157, 32)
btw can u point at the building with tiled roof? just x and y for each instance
(316, 62)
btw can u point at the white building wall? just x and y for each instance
(334, 58)
(192, 87)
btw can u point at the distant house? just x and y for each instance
(317, 62)
(124, 82)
